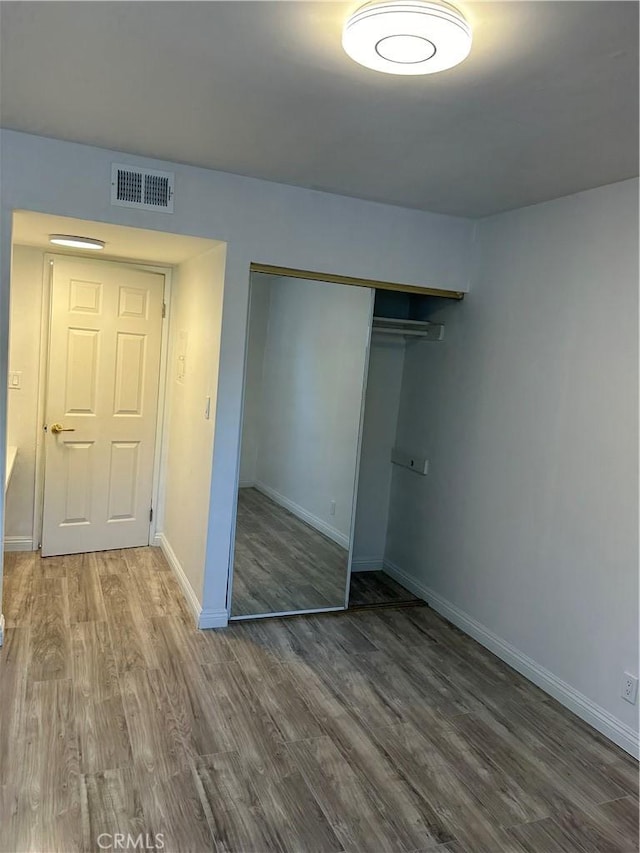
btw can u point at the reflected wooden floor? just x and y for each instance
(374, 731)
(281, 563)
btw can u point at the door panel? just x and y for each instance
(123, 480)
(78, 468)
(104, 359)
(130, 364)
(82, 371)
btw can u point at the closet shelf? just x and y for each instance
(409, 328)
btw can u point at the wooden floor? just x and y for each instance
(373, 589)
(377, 730)
(282, 564)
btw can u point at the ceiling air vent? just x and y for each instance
(142, 188)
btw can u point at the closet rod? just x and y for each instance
(409, 328)
(406, 333)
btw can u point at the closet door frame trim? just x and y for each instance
(331, 278)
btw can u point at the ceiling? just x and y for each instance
(122, 242)
(546, 104)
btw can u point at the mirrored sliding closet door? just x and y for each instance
(303, 397)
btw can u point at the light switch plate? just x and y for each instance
(181, 365)
(15, 380)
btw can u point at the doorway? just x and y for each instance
(130, 392)
(313, 495)
(103, 372)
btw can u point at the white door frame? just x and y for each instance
(159, 457)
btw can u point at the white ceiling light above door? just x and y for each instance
(407, 36)
(71, 241)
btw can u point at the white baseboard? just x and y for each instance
(213, 619)
(315, 522)
(203, 618)
(18, 543)
(578, 703)
(367, 564)
(160, 540)
(246, 484)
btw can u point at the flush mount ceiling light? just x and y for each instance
(73, 242)
(407, 36)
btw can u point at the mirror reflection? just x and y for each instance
(303, 397)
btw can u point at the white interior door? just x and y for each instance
(102, 397)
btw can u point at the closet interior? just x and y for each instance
(401, 322)
(322, 445)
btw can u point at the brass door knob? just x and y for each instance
(56, 428)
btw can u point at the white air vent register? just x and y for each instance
(145, 189)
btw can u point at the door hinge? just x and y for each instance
(150, 514)
(164, 310)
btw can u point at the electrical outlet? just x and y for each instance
(629, 690)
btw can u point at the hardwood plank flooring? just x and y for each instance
(375, 589)
(282, 564)
(366, 731)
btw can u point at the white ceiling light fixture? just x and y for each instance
(407, 36)
(73, 242)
